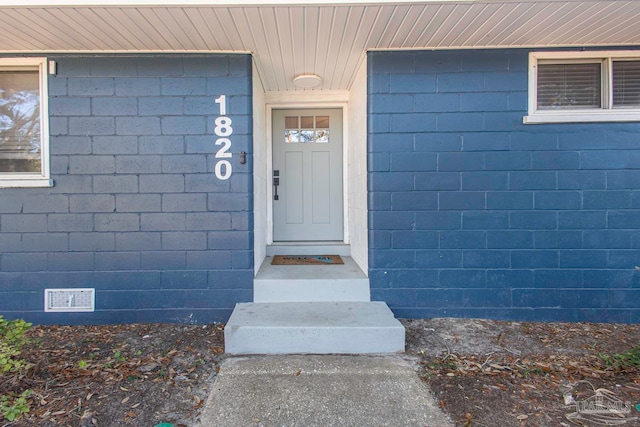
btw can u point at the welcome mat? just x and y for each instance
(306, 260)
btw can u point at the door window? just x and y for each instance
(306, 129)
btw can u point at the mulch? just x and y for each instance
(116, 375)
(483, 373)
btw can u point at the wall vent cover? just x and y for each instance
(65, 300)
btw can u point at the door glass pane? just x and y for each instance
(306, 129)
(291, 136)
(569, 86)
(306, 122)
(307, 136)
(322, 121)
(626, 84)
(291, 122)
(322, 136)
(19, 121)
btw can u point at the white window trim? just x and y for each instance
(608, 114)
(18, 180)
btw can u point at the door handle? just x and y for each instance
(276, 183)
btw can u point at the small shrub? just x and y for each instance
(623, 361)
(13, 407)
(439, 364)
(12, 339)
(119, 356)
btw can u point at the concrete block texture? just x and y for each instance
(533, 209)
(120, 212)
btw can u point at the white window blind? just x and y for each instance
(626, 84)
(569, 86)
(20, 139)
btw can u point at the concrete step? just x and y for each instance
(313, 328)
(307, 283)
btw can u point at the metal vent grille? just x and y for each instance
(64, 300)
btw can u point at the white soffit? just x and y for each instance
(320, 37)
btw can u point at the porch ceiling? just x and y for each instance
(319, 37)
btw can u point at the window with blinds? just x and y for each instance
(569, 86)
(626, 84)
(583, 86)
(19, 121)
(24, 131)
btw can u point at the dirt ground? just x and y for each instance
(483, 373)
(489, 373)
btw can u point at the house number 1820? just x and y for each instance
(223, 131)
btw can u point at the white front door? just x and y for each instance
(307, 175)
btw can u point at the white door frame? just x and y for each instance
(269, 124)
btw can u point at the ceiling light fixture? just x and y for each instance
(307, 81)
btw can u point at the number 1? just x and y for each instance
(222, 100)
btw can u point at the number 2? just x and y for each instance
(223, 152)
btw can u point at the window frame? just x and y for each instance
(606, 113)
(42, 179)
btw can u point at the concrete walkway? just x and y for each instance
(325, 391)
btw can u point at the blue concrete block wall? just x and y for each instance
(474, 214)
(136, 211)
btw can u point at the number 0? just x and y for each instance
(219, 170)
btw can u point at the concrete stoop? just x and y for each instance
(313, 328)
(310, 283)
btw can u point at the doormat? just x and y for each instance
(306, 260)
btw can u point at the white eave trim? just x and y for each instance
(127, 51)
(213, 3)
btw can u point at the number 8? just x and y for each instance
(223, 126)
